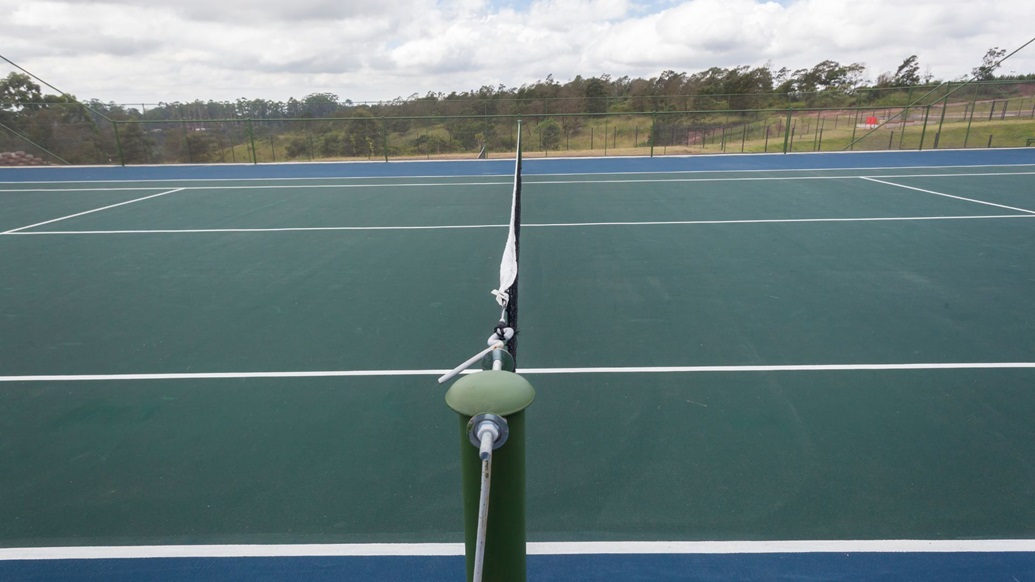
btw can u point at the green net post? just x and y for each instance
(504, 394)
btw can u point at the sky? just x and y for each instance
(143, 51)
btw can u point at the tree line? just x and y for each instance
(29, 115)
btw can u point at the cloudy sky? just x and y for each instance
(143, 51)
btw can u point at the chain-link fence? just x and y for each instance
(976, 115)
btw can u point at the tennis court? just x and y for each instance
(746, 367)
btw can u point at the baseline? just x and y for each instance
(585, 370)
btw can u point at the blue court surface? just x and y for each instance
(753, 367)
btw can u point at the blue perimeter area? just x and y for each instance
(941, 567)
(531, 166)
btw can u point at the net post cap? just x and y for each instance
(493, 391)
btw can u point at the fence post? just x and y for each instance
(787, 131)
(970, 120)
(118, 143)
(941, 121)
(507, 395)
(186, 141)
(653, 130)
(251, 138)
(923, 132)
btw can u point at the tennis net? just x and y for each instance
(506, 331)
(507, 293)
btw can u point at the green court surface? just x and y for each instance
(812, 355)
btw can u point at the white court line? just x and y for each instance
(773, 220)
(960, 175)
(273, 179)
(350, 186)
(526, 225)
(530, 371)
(528, 179)
(280, 229)
(533, 175)
(948, 195)
(532, 548)
(508, 173)
(127, 189)
(15, 230)
(532, 180)
(267, 186)
(778, 170)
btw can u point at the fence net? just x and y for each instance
(62, 131)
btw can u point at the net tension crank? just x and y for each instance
(488, 432)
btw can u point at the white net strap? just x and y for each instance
(509, 263)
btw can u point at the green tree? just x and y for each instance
(989, 63)
(136, 146)
(199, 147)
(320, 104)
(297, 147)
(595, 91)
(549, 134)
(362, 134)
(330, 145)
(907, 74)
(19, 97)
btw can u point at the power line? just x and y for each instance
(972, 78)
(60, 92)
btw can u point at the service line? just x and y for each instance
(16, 230)
(533, 548)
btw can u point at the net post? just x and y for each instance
(507, 395)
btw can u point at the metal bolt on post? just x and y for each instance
(491, 405)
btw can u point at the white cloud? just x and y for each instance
(135, 50)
